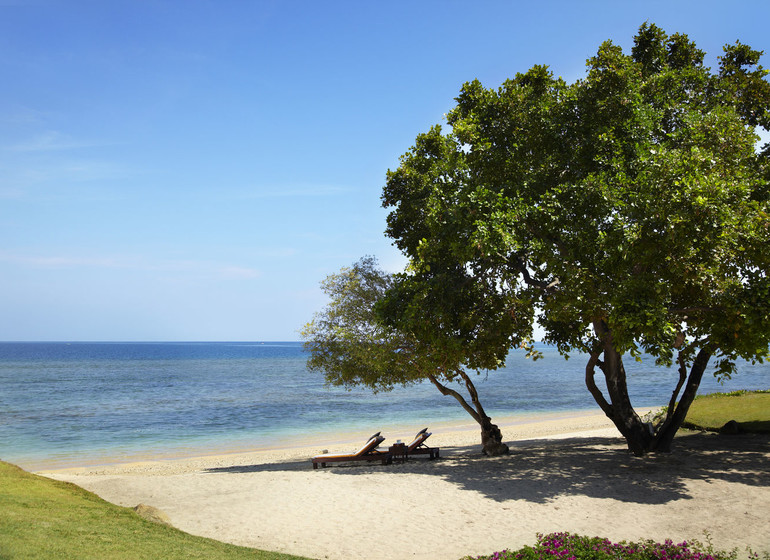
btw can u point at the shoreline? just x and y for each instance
(566, 472)
(460, 432)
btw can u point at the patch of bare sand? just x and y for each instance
(565, 473)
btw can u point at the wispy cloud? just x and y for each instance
(55, 176)
(50, 140)
(276, 252)
(291, 191)
(49, 162)
(10, 193)
(22, 115)
(68, 261)
(201, 268)
(240, 273)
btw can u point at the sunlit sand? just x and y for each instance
(566, 472)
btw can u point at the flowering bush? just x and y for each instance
(565, 546)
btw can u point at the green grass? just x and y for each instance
(750, 409)
(46, 519)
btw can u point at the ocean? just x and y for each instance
(67, 403)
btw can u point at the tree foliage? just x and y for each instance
(350, 343)
(629, 209)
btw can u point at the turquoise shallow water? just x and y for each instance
(63, 402)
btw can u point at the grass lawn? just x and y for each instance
(750, 409)
(47, 519)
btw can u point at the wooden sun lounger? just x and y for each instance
(418, 447)
(368, 452)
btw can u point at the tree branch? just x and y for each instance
(473, 393)
(675, 394)
(666, 433)
(446, 391)
(520, 265)
(593, 389)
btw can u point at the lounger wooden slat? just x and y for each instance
(418, 447)
(368, 452)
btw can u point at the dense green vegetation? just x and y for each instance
(577, 547)
(350, 343)
(629, 211)
(751, 410)
(45, 519)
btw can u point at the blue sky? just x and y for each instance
(191, 170)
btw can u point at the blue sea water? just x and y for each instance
(63, 403)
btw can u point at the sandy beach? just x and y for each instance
(567, 472)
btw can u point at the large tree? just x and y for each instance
(352, 346)
(630, 208)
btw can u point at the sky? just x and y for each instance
(191, 170)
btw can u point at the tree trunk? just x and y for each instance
(492, 439)
(491, 436)
(639, 436)
(667, 431)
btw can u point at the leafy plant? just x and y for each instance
(566, 546)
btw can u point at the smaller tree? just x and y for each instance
(353, 346)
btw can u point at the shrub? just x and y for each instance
(565, 546)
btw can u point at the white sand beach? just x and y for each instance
(568, 472)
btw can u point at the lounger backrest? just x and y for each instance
(419, 438)
(373, 442)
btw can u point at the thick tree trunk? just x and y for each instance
(491, 437)
(676, 416)
(639, 436)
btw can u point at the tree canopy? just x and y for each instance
(350, 343)
(629, 209)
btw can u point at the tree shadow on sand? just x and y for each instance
(542, 470)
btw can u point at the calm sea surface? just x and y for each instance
(65, 403)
